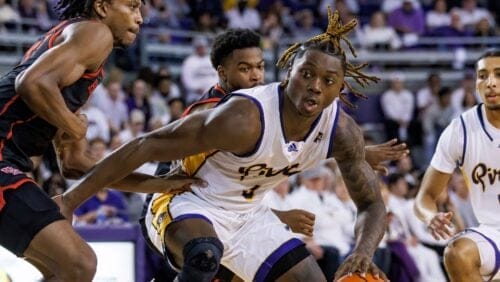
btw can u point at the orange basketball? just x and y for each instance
(356, 277)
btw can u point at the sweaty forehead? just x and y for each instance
(488, 63)
(252, 55)
(319, 59)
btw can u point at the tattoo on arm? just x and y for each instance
(362, 184)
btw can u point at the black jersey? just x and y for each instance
(22, 133)
(213, 95)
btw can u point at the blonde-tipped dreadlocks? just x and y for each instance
(335, 32)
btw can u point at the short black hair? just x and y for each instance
(233, 39)
(393, 178)
(444, 91)
(493, 52)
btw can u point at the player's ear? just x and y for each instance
(221, 72)
(101, 8)
(342, 88)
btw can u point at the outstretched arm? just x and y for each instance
(238, 119)
(433, 184)
(363, 187)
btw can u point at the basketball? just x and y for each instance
(356, 277)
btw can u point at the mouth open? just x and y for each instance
(310, 105)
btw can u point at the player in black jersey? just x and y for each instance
(39, 102)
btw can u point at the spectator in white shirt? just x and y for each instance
(438, 17)
(378, 35)
(243, 16)
(326, 243)
(470, 14)
(197, 73)
(97, 123)
(398, 105)
(112, 104)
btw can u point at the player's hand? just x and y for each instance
(67, 213)
(78, 131)
(440, 226)
(391, 150)
(316, 250)
(361, 263)
(299, 221)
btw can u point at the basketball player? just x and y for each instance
(471, 142)
(237, 57)
(255, 138)
(39, 99)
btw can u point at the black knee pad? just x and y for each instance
(201, 259)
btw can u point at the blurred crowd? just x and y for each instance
(388, 24)
(407, 251)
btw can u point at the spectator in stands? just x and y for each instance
(483, 29)
(271, 29)
(212, 8)
(164, 90)
(408, 21)
(243, 16)
(469, 100)
(438, 17)
(407, 169)
(178, 8)
(459, 195)
(97, 123)
(305, 25)
(426, 260)
(197, 73)
(138, 98)
(455, 29)
(436, 119)
(325, 243)
(458, 95)
(136, 126)
(106, 207)
(377, 35)
(398, 105)
(113, 105)
(8, 16)
(428, 95)
(470, 14)
(176, 107)
(205, 23)
(161, 16)
(390, 5)
(277, 198)
(351, 6)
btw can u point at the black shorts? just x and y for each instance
(27, 210)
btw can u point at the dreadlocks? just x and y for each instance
(330, 42)
(68, 9)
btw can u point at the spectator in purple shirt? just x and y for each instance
(408, 21)
(106, 207)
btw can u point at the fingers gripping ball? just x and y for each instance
(356, 277)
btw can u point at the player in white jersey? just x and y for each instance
(471, 142)
(257, 138)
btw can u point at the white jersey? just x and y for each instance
(473, 144)
(238, 183)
